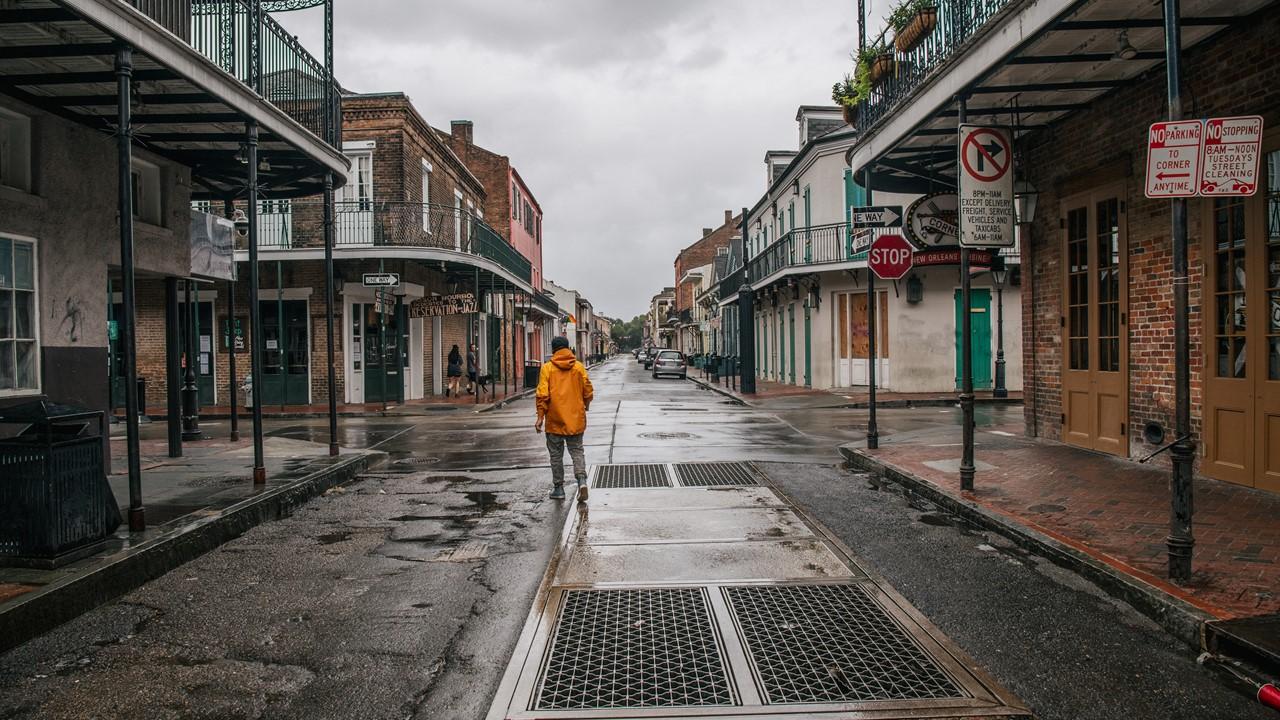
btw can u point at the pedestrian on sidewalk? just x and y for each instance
(473, 364)
(455, 372)
(563, 399)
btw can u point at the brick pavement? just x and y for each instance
(1115, 510)
(766, 390)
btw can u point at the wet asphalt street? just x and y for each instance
(402, 595)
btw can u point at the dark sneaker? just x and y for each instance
(557, 492)
(582, 491)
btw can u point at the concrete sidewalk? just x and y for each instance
(1102, 516)
(193, 504)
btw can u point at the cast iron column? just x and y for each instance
(966, 357)
(1181, 542)
(873, 433)
(128, 334)
(746, 323)
(331, 135)
(173, 366)
(255, 308)
(1000, 391)
(229, 209)
(190, 392)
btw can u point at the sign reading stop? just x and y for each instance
(890, 257)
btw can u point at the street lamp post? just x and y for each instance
(999, 272)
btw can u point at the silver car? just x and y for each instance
(669, 362)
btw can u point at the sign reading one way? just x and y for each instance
(877, 216)
(1204, 158)
(986, 187)
(381, 280)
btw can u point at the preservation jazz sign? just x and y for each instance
(1204, 158)
(439, 305)
(986, 187)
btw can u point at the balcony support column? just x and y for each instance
(229, 209)
(255, 307)
(873, 433)
(128, 328)
(173, 366)
(747, 327)
(967, 469)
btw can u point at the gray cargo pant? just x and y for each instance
(555, 444)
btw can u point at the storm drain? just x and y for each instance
(634, 649)
(710, 474)
(832, 643)
(632, 476)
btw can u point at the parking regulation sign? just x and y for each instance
(986, 187)
(1229, 161)
(1173, 158)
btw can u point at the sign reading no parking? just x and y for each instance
(986, 187)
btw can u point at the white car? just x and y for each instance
(669, 362)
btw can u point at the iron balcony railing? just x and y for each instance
(816, 245)
(285, 74)
(289, 224)
(957, 22)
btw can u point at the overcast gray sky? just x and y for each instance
(635, 122)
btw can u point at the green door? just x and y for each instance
(980, 331)
(384, 366)
(285, 354)
(495, 347)
(204, 348)
(808, 242)
(782, 348)
(808, 347)
(791, 338)
(116, 351)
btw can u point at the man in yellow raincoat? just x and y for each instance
(564, 396)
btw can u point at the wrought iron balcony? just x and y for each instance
(818, 245)
(957, 22)
(286, 75)
(297, 224)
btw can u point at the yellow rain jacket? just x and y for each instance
(564, 394)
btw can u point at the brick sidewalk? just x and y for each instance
(1116, 511)
(839, 397)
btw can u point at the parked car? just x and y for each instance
(669, 362)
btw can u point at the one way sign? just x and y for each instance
(877, 216)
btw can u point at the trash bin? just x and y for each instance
(532, 369)
(55, 502)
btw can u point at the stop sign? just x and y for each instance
(890, 257)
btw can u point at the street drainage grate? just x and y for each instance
(711, 474)
(634, 649)
(632, 476)
(832, 643)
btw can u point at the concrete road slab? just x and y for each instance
(774, 560)
(625, 525)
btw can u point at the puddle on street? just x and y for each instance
(333, 537)
(936, 520)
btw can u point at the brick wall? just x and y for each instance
(701, 253)
(1230, 75)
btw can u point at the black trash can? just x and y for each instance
(55, 502)
(532, 368)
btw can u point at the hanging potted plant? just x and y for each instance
(912, 21)
(877, 62)
(845, 94)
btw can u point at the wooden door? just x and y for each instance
(1242, 349)
(1094, 321)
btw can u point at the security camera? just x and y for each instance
(241, 221)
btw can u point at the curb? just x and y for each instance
(862, 405)
(507, 401)
(737, 400)
(48, 609)
(1178, 617)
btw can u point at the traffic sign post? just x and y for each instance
(877, 216)
(986, 187)
(1173, 158)
(381, 279)
(890, 257)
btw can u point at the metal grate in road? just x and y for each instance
(632, 476)
(711, 474)
(634, 649)
(832, 643)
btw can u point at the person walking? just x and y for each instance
(563, 399)
(473, 364)
(454, 372)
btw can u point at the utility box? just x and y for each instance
(55, 502)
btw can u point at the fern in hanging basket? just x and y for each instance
(845, 94)
(912, 21)
(875, 63)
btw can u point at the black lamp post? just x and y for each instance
(999, 272)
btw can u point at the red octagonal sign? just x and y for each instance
(890, 257)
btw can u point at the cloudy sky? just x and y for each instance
(635, 122)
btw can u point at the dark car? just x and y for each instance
(669, 362)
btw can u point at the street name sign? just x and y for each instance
(877, 216)
(1229, 160)
(951, 256)
(986, 187)
(381, 280)
(890, 257)
(1173, 158)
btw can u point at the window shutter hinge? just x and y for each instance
(1064, 418)
(1062, 223)
(1122, 211)
(1122, 428)
(1062, 320)
(1124, 318)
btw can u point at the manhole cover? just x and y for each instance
(710, 474)
(832, 643)
(634, 649)
(668, 436)
(631, 476)
(422, 460)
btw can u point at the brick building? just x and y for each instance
(693, 267)
(410, 207)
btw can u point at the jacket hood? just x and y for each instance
(563, 359)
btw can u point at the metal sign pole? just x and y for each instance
(378, 303)
(1181, 541)
(966, 356)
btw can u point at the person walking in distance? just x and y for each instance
(563, 399)
(455, 372)
(473, 365)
